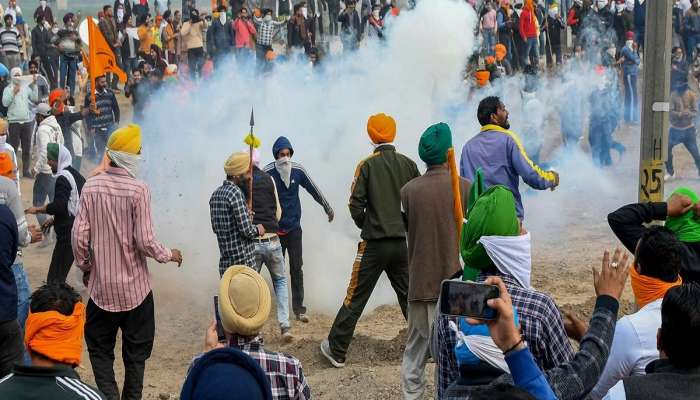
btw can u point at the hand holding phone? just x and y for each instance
(502, 328)
(467, 299)
(220, 335)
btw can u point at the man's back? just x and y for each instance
(112, 236)
(56, 383)
(503, 160)
(375, 201)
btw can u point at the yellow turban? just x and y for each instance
(126, 139)
(237, 164)
(381, 128)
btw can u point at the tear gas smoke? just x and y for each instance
(415, 76)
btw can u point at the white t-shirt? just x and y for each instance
(633, 347)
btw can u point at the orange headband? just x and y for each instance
(56, 336)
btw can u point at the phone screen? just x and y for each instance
(219, 328)
(467, 299)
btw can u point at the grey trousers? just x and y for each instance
(421, 315)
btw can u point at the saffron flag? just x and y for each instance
(101, 59)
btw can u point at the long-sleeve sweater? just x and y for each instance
(63, 221)
(502, 157)
(108, 107)
(628, 224)
(48, 132)
(18, 105)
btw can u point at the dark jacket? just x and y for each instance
(46, 14)
(628, 225)
(294, 33)
(108, 107)
(264, 201)
(109, 30)
(554, 28)
(9, 239)
(57, 383)
(350, 25)
(127, 7)
(375, 199)
(63, 221)
(289, 196)
(219, 37)
(41, 41)
(663, 381)
(65, 120)
(640, 16)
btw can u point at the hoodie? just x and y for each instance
(289, 196)
(19, 105)
(49, 131)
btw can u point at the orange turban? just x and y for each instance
(381, 128)
(55, 95)
(482, 77)
(7, 167)
(490, 60)
(56, 336)
(501, 52)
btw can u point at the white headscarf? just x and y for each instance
(512, 255)
(64, 161)
(130, 162)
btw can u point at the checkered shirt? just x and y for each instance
(540, 322)
(266, 31)
(233, 226)
(285, 374)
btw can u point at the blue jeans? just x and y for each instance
(69, 67)
(271, 254)
(531, 55)
(44, 185)
(490, 41)
(23, 295)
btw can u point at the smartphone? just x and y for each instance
(219, 328)
(467, 299)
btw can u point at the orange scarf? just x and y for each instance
(647, 289)
(56, 336)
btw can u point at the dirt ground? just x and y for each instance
(564, 249)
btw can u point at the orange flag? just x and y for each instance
(101, 59)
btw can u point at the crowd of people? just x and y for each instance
(461, 220)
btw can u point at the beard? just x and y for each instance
(505, 124)
(242, 183)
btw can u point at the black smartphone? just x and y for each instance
(219, 328)
(467, 299)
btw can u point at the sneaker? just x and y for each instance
(303, 318)
(286, 336)
(326, 352)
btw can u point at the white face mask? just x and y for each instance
(3, 139)
(42, 3)
(268, 18)
(305, 12)
(54, 30)
(602, 4)
(629, 5)
(619, 7)
(222, 18)
(120, 14)
(283, 165)
(629, 43)
(375, 14)
(46, 25)
(553, 12)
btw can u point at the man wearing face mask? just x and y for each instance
(48, 131)
(124, 5)
(679, 66)
(244, 30)
(44, 11)
(375, 25)
(630, 70)
(555, 26)
(623, 22)
(267, 29)
(219, 36)
(691, 25)
(112, 254)
(104, 115)
(289, 177)
(350, 27)
(231, 220)
(17, 97)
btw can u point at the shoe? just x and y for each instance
(326, 352)
(303, 318)
(669, 177)
(286, 336)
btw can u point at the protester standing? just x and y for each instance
(289, 177)
(17, 97)
(220, 36)
(230, 218)
(350, 27)
(104, 115)
(267, 29)
(48, 131)
(10, 332)
(630, 70)
(684, 110)
(63, 208)
(69, 44)
(299, 32)
(193, 42)
(110, 31)
(433, 249)
(375, 207)
(11, 43)
(41, 47)
(112, 254)
(488, 28)
(244, 32)
(529, 32)
(44, 12)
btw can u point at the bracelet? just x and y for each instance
(515, 346)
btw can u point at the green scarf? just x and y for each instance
(493, 214)
(686, 227)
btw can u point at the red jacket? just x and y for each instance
(528, 24)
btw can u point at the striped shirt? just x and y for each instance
(112, 236)
(10, 40)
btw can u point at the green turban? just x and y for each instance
(434, 143)
(493, 215)
(52, 151)
(686, 227)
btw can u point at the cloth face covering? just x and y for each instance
(130, 162)
(512, 255)
(283, 165)
(64, 161)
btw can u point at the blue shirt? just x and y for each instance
(631, 64)
(289, 196)
(501, 156)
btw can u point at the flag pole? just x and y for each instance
(250, 164)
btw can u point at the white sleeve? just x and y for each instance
(621, 362)
(617, 392)
(278, 210)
